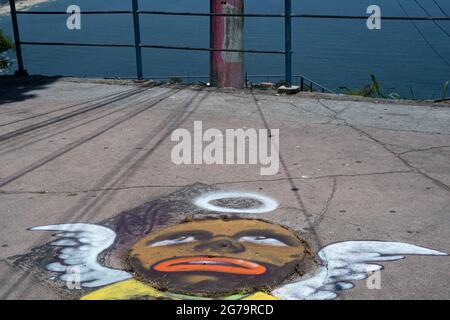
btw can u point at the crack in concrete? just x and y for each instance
(384, 128)
(302, 109)
(398, 156)
(423, 150)
(324, 211)
(44, 192)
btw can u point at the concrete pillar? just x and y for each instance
(227, 68)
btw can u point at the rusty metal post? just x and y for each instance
(227, 33)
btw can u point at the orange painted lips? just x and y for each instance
(214, 264)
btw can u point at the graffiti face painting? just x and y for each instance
(207, 257)
(216, 257)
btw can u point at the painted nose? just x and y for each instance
(222, 245)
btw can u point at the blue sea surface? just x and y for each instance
(334, 53)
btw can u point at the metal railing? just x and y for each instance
(287, 52)
(137, 37)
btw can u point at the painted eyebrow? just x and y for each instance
(200, 234)
(291, 241)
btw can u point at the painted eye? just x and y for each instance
(263, 240)
(170, 242)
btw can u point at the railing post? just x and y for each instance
(288, 41)
(211, 43)
(227, 33)
(137, 39)
(21, 70)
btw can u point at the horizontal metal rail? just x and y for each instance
(248, 15)
(212, 49)
(163, 13)
(80, 44)
(65, 12)
(200, 14)
(343, 17)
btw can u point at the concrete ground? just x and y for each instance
(351, 169)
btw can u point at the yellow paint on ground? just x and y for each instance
(132, 289)
(124, 290)
(260, 296)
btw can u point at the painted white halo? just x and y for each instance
(268, 204)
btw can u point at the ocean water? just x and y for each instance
(334, 53)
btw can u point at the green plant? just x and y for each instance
(280, 83)
(366, 91)
(5, 45)
(413, 96)
(370, 90)
(376, 86)
(446, 85)
(175, 80)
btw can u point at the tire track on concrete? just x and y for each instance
(69, 115)
(62, 109)
(39, 132)
(28, 137)
(54, 155)
(35, 129)
(83, 123)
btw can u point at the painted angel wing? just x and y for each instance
(345, 262)
(81, 244)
